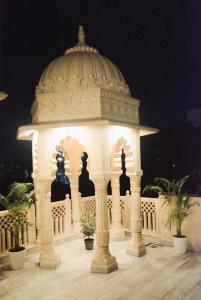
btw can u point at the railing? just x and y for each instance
(125, 210)
(148, 209)
(27, 232)
(88, 207)
(154, 217)
(62, 217)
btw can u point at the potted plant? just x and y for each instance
(180, 206)
(88, 227)
(17, 202)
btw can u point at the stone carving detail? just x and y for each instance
(148, 207)
(109, 203)
(58, 211)
(116, 156)
(72, 151)
(6, 233)
(61, 84)
(5, 222)
(85, 103)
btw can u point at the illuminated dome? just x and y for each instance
(83, 85)
(82, 67)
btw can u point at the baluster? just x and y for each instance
(149, 221)
(3, 240)
(8, 237)
(56, 225)
(53, 223)
(0, 240)
(63, 224)
(59, 224)
(68, 216)
(145, 219)
(154, 221)
(142, 220)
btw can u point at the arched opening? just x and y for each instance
(86, 186)
(61, 185)
(124, 180)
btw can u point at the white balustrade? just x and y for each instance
(6, 234)
(62, 216)
(148, 215)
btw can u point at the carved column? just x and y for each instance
(117, 231)
(75, 197)
(48, 258)
(38, 210)
(136, 245)
(103, 261)
(73, 152)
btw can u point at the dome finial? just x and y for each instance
(81, 37)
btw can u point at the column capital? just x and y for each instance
(100, 181)
(74, 180)
(115, 181)
(136, 173)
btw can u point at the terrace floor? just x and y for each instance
(161, 274)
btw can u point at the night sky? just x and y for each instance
(156, 45)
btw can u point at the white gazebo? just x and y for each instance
(83, 103)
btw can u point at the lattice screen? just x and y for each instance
(58, 211)
(148, 207)
(6, 234)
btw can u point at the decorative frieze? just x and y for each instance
(85, 103)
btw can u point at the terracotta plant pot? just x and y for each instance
(89, 243)
(17, 258)
(180, 244)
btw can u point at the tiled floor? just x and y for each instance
(160, 274)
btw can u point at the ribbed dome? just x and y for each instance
(82, 67)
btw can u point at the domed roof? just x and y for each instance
(82, 67)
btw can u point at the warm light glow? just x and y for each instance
(115, 132)
(25, 134)
(3, 96)
(81, 133)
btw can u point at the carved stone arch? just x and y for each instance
(60, 185)
(116, 156)
(116, 165)
(73, 152)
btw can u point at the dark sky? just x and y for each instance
(156, 45)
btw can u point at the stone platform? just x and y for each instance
(160, 274)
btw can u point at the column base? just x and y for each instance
(117, 234)
(104, 262)
(136, 249)
(104, 269)
(49, 259)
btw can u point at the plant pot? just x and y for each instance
(89, 243)
(17, 258)
(180, 244)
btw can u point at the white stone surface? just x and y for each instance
(79, 86)
(161, 274)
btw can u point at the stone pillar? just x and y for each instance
(48, 258)
(136, 245)
(75, 198)
(38, 210)
(117, 231)
(103, 261)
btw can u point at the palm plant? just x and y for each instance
(179, 204)
(19, 199)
